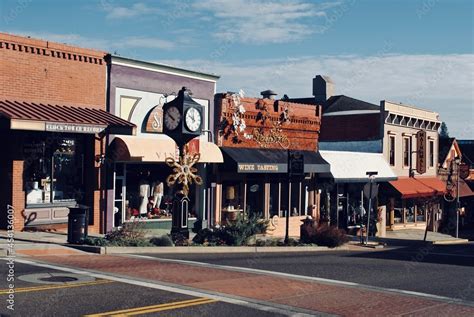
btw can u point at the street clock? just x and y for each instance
(183, 118)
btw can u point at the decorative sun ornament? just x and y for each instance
(184, 171)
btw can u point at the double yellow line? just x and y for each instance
(50, 287)
(156, 308)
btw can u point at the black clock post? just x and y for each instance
(182, 122)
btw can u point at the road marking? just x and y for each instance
(307, 278)
(50, 287)
(156, 308)
(270, 307)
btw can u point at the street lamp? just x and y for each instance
(370, 194)
(457, 161)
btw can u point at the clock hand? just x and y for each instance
(173, 118)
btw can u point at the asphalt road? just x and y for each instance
(103, 296)
(441, 270)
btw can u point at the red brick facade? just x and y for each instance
(40, 71)
(36, 70)
(299, 131)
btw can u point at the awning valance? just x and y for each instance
(411, 187)
(157, 149)
(33, 116)
(352, 167)
(271, 161)
(464, 189)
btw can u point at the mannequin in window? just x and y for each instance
(144, 191)
(158, 189)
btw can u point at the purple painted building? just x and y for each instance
(137, 170)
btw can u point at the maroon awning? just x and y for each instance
(34, 116)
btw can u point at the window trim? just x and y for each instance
(392, 154)
(406, 148)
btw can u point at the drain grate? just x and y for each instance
(60, 279)
(56, 278)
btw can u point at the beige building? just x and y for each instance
(413, 199)
(401, 124)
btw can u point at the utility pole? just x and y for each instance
(371, 182)
(458, 163)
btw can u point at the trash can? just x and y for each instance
(77, 224)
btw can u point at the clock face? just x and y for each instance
(193, 119)
(172, 118)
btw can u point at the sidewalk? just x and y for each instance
(270, 289)
(418, 235)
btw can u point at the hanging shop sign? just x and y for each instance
(274, 136)
(421, 152)
(73, 128)
(261, 168)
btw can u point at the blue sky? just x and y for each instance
(415, 52)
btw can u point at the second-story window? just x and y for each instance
(431, 153)
(406, 151)
(392, 150)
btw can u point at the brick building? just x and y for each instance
(52, 123)
(391, 129)
(255, 135)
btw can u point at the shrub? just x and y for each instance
(234, 233)
(329, 236)
(163, 241)
(131, 234)
(96, 241)
(237, 232)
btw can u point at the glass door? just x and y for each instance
(120, 194)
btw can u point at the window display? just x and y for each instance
(233, 202)
(146, 195)
(53, 169)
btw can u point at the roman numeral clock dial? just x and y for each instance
(193, 119)
(172, 118)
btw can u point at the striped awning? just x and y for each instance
(22, 115)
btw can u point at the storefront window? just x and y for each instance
(274, 199)
(296, 199)
(410, 211)
(284, 198)
(146, 194)
(233, 200)
(420, 214)
(255, 198)
(398, 215)
(53, 169)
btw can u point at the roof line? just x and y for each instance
(165, 67)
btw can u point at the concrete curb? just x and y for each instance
(175, 250)
(451, 242)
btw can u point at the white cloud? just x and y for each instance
(122, 12)
(257, 22)
(442, 83)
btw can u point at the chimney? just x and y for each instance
(323, 88)
(270, 94)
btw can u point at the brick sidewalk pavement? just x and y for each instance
(310, 295)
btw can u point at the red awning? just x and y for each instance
(60, 118)
(419, 187)
(464, 189)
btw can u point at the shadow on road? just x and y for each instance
(420, 252)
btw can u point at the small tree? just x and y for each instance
(444, 133)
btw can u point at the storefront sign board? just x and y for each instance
(421, 152)
(73, 128)
(154, 123)
(261, 168)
